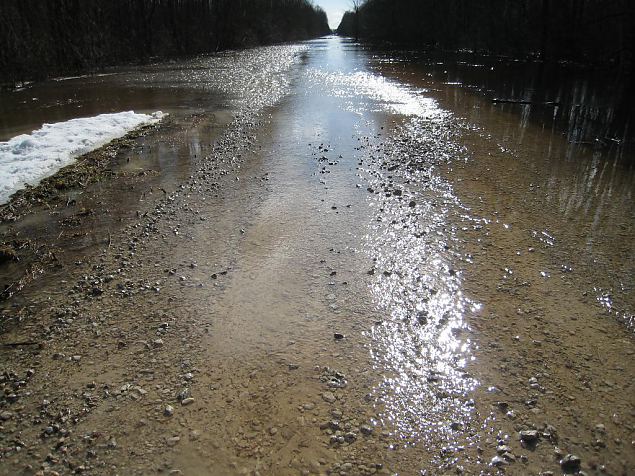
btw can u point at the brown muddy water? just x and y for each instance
(326, 261)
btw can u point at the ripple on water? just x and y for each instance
(421, 347)
(253, 79)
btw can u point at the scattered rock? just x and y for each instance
(570, 463)
(501, 449)
(328, 397)
(184, 395)
(529, 436)
(498, 461)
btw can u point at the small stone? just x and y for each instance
(570, 463)
(529, 436)
(112, 443)
(500, 449)
(308, 406)
(498, 461)
(338, 336)
(157, 343)
(328, 397)
(366, 429)
(273, 431)
(169, 410)
(333, 425)
(187, 401)
(173, 440)
(456, 426)
(503, 406)
(350, 437)
(184, 394)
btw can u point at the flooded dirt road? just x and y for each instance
(355, 269)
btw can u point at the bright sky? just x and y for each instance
(334, 9)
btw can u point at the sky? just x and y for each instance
(334, 9)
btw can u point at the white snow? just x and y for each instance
(28, 158)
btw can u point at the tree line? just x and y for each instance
(41, 38)
(581, 30)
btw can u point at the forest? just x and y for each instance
(43, 38)
(589, 31)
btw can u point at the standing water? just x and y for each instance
(367, 271)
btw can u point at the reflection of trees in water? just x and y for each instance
(587, 105)
(592, 107)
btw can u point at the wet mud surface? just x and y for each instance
(339, 270)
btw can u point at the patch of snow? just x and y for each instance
(29, 158)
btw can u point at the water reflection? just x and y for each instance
(362, 87)
(588, 105)
(247, 80)
(421, 346)
(567, 165)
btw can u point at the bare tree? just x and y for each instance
(43, 38)
(356, 6)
